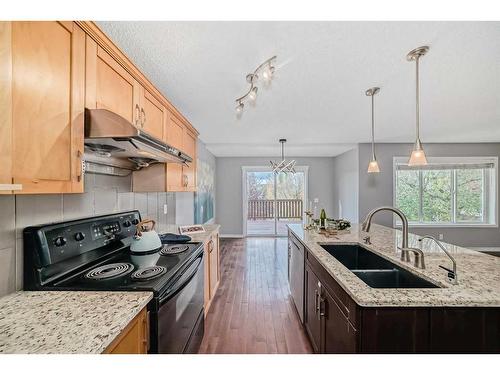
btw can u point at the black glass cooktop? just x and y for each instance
(134, 271)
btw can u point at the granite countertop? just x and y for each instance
(66, 322)
(478, 274)
(210, 229)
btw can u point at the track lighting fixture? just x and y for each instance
(266, 70)
(373, 165)
(418, 155)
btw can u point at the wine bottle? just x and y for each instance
(322, 218)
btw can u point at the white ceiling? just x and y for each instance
(317, 98)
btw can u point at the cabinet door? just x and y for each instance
(134, 339)
(206, 279)
(214, 266)
(175, 136)
(339, 336)
(312, 320)
(48, 92)
(110, 86)
(189, 171)
(153, 115)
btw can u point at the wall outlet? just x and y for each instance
(316, 200)
(165, 209)
(440, 236)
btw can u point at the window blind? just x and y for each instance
(446, 166)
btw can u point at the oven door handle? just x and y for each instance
(182, 281)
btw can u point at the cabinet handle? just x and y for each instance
(143, 117)
(322, 309)
(186, 179)
(137, 115)
(81, 166)
(316, 302)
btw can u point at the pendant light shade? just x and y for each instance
(373, 167)
(373, 164)
(417, 156)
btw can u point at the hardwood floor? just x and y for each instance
(252, 311)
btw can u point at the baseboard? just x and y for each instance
(231, 236)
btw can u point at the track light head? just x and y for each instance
(239, 108)
(268, 73)
(253, 94)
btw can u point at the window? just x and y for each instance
(447, 191)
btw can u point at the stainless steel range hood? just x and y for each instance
(111, 140)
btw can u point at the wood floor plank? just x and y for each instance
(252, 311)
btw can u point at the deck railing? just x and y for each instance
(265, 209)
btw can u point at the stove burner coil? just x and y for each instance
(173, 249)
(109, 270)
(148, 273)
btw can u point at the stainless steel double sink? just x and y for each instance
(374, 270)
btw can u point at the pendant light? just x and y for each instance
(417, 155)
(373, 164)
(283, 165)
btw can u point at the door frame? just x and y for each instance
(244, 203)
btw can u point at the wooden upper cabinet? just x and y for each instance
(181, 177)
(48, 91)
(175, 138)
(109, 85)
(154, 115)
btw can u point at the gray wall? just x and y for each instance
(376, 189)
(345, 185)
(203, 186)
(229, 209)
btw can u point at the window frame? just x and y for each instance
(490, 209)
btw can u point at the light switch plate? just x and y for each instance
(440, 236)
(165, 209)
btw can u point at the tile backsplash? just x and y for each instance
(103, 194)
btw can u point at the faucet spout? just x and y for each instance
(453, 274)
(366, 225)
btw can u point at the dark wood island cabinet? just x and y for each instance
(335, 323)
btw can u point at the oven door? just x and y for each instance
(180, 310)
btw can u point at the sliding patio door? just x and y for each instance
(271, 201)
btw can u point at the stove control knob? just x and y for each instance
(135, 221)
(79, 236)
(60, 241)
(127, 223)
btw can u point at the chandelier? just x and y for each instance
(283, 165)
(266, 70)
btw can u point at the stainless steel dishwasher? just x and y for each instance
(296, 273)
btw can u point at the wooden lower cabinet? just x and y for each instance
(212, 269)
(135, 337)
(336, 324)
(312, 320)
(339, 336)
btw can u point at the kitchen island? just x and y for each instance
(67, 322)
(339, 306)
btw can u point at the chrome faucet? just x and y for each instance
(452, 274)
(405, 250)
